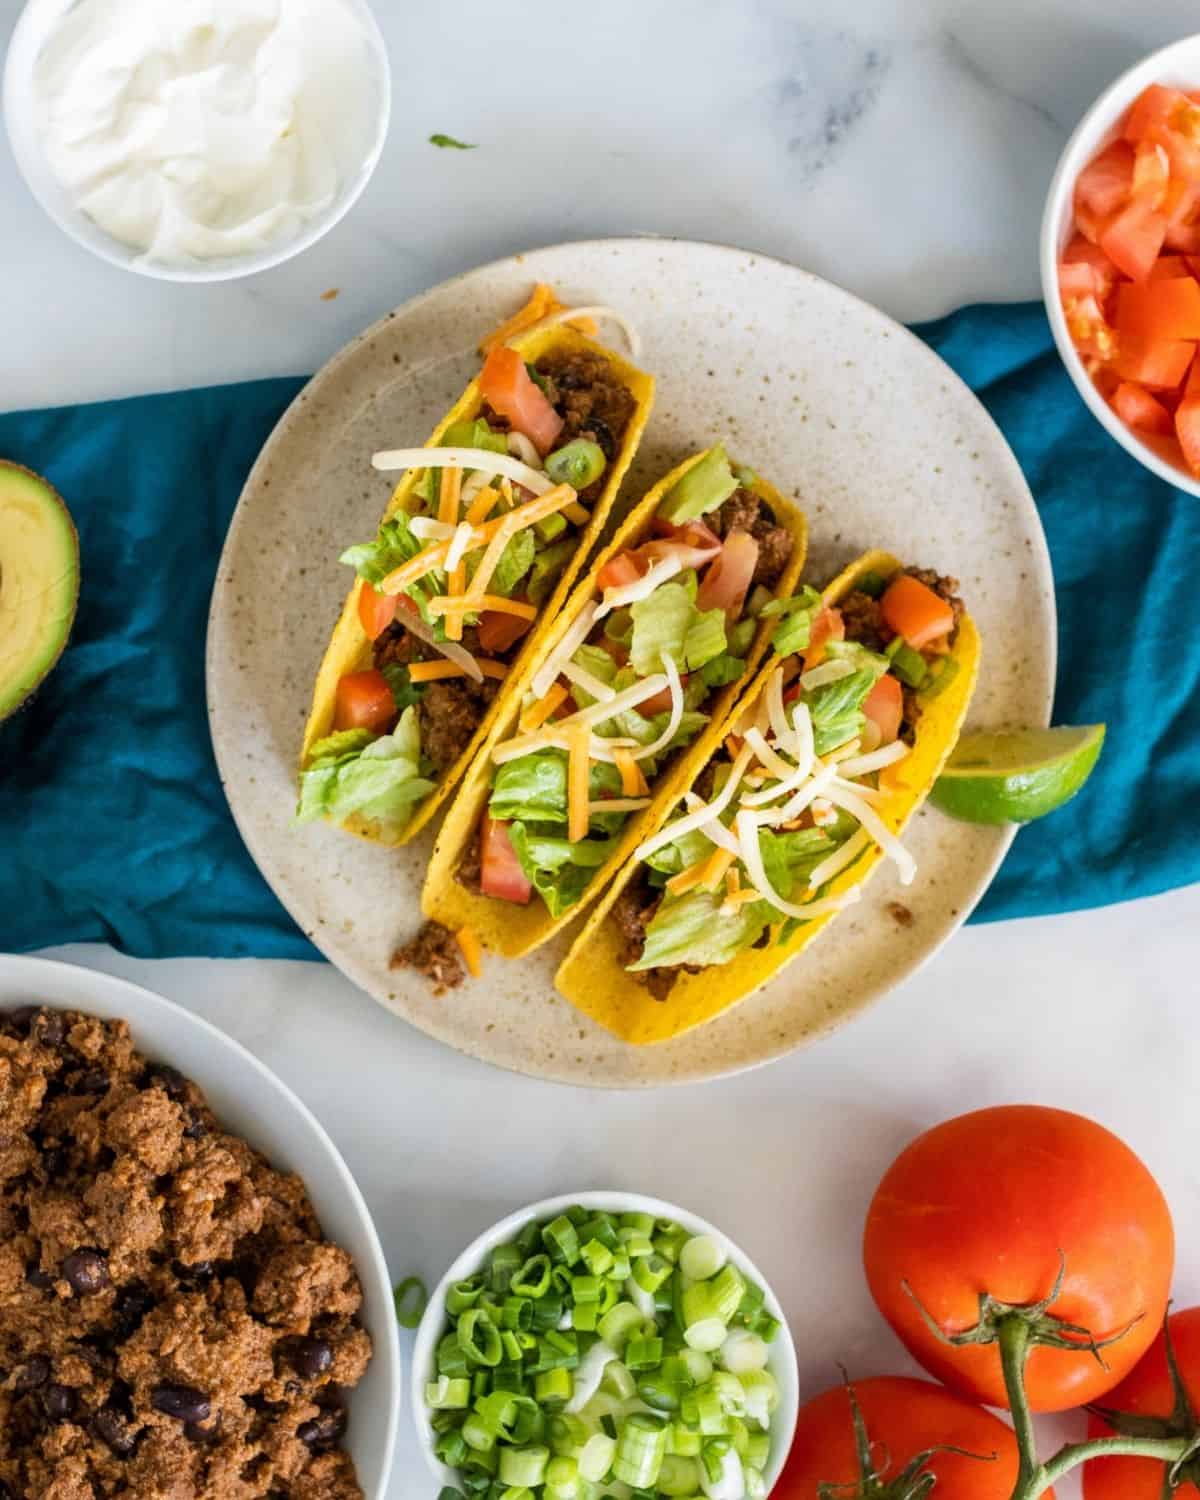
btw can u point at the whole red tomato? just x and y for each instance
(1147, 1391)
(902, 1418)
(998, 1201)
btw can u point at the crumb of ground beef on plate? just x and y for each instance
(435, 953)
(174, 1324)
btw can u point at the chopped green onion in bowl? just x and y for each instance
(604, 1346)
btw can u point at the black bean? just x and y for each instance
(94, 1081)
(309, 1356)
(181, 1401)
(112, 1428)
(196, 1129)
(33, 1374)
(22, 1018)
(59, 1401)
(323, 1431)
(54, 1161)
(87, 1271)
(169, 1079)
(132, 1304)
(49, 1028)
(198, 1272)
(35, 1276)
(197, 1434)
(602, 435)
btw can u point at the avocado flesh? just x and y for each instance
(39, 582)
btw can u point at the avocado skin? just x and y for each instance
(19, 686)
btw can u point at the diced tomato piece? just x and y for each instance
(376, 611)
(1170, 267)
(1080, 250)
(1151, 169)
(1139, 409)
(500, 872)
(509, 390)
(884, 706)
(1187, 422)
(1160, 364)
(1184, 237)
(1161, 309)
(727, 578)
(498, 631)
(913, 610)
(661, 701)
(1089, 328)
(364, 701)
(1077, 279)
(694, 533)
(1133, 237)
(689, 555)
(626, 567)
(828, 625)
(1105, 183)
(1152, 111)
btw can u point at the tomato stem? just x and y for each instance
(1015, 1338)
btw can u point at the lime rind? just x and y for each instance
(997, 778)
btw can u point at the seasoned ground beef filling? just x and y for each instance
(865, 624)
(435, 953)
(746, 511)
(632, 912)
(448, 712)
(173, 1326)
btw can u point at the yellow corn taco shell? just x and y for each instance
(510, 929)
(592, 977)
(350, 650)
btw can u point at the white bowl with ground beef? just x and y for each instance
(193, 1298)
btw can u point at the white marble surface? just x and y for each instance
(901, 149)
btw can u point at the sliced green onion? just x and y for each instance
(766, 1327)
(561, 1240)
(444, 1394)
(619, 1380)
(548, 1311)
(909, 666)
(743, 1351)
(596, 1457)
(872, 584)
(758, 1450)
(643, 1353)
(636, 1242)
(585, 1288)
(533, 1278)
(668, 1241)
(650, 1271)
(410, 1299)
(585, 1316)
(528, 1239)
(597, 1257)
(554, 1387)
(476, 1325)
(727, 1288)
(577, 463)
(705, 1334)
(940, 677)
(450, 1358)
(701, 1257)
(618, 1323)
(678, 1476)
(683, 1440)
(451, 1448)
(463, 1294)
(523, 1466)
(642, 1223)
(505, 1263)
(477, 1434)
(447, 1493)
(550, 527)
(567, 1434)
(641, 1447)
(729, 1392)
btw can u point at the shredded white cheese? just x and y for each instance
(480, 459)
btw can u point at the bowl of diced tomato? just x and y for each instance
(1120, 261)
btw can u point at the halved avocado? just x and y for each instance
(39, 582)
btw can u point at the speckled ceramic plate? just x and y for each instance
(880, 442)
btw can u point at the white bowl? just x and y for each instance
(248, 1099)
(1177, 66)
(782, 1363)
(33, 28)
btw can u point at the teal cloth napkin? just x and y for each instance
(113, 825)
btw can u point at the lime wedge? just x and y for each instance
(1016, 777)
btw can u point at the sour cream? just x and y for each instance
(202, 129)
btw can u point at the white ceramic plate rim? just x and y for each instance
(1086, 139)
(1039, 562)
(89, 990)
(25, 44)
(782, 1362)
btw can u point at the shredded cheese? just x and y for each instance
(858, 807)
(874, 760)
(687, 879)
(426, 529)
(697, 819)
(522, 447)
(482, 460)
(733, 881)
(538, 712)
(471, 949)
(770, 758)
(470, 603)
(478, 509)
(576, 514)
(542, 302)
(802, 748)
(839, 860)
(516, 520)
(828, 671)
(435, 671)
(674, 682)
(578, 738)
(751, 856)
(588, 681)
(594, 310)
(718, 867)
(459, 545)
(640, 588)
(449, 493)
(633, 783)
(571, 641)
(618, 804)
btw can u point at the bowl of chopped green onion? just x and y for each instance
(604, 1345)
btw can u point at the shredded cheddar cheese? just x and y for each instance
(633, 782)
(435, 671)
(537, 713)
(686, 879)
(542, 302)
(449, 494)
(470, 603)
(477, 511)
(472, 950)
(716, 868)
(576, 514)
(578, 739)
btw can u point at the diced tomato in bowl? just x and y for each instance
(1121, 260)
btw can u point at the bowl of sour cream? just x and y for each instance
(196, 140)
